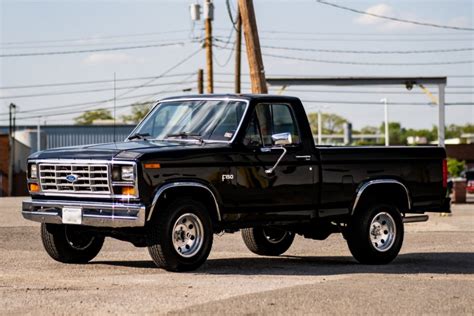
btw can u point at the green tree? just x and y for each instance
(396, 133)
(139, 110)
(455, 167)
(332, 123)
(88, 117)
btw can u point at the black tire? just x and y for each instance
(375, 236)
(181, 236)
(70, 244)
(267, 241)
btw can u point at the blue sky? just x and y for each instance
(308, 25)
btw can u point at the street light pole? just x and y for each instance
(11, 142)
(387, 137)
(320, 128)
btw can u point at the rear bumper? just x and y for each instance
(97, 214)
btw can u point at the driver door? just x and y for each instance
(288, 190)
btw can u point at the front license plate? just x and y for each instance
(72, 215)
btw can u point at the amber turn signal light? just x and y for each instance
(152, 166)
(128, 191)
(34, 187)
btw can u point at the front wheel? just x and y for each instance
(70, 244)
(376, 236)
(267, 241)
(181, 236)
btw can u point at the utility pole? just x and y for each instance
(238, 51)
(208, 17)
(254, 54)
(38, 135)
(11, 142)
(387, 136)
(200, 81)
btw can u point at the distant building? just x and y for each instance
(51, 136)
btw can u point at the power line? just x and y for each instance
(395, 19)
(91, 103)
(85, 91)
(227, 85)
(142, 85)
(93, 38)
(358, 40)
(89, 50)
(345, 62)
(132, 89)
(9, 47)
(165, 72)
(411, 34)
(343, 51)
(295, 75)
(43, 85)
(378, 103)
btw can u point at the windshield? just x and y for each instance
(193, 119)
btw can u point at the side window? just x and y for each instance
(253, 136)
(269, 119)
(283, 121)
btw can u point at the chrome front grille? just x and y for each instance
(83, 178)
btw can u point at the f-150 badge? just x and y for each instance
(227, 177)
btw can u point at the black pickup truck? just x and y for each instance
(199, 165)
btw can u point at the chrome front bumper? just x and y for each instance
(97, 214)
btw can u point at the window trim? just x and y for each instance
(293, 116)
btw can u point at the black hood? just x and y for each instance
(123, 150)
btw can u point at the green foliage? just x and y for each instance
(331, 123)
(396, 133)
(139, 110)
(455, 167)
(88, 117)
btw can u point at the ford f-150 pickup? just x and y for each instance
(206, 164)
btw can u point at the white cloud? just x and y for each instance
(380, 9)
(389, 25)
(460, 21)
(383, 24)
(110, 58)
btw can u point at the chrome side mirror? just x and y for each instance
(282, 139)
(279, 141)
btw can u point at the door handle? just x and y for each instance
(304, 157)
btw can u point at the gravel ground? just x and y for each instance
(432, 274)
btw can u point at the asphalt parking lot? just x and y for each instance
(434, 273)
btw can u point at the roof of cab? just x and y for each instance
(249, 97)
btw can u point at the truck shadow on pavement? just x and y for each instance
(410, 263)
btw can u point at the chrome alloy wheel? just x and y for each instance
(382, 231)
(274, 235)
(188, 235)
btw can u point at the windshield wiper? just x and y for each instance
(186, 135)
(138, 136)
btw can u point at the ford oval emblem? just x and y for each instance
(72, 178)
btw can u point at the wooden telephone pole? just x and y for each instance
(208, 17)
(200, 81)
(254, 54)
(238, 52)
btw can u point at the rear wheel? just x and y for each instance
(376, 236)
(70, 244)
(181, 236)
(267, 241)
